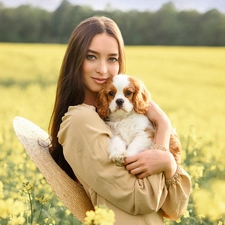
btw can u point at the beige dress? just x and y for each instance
(84, 137)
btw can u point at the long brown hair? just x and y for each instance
(70, 87)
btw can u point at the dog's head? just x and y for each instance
(122, 93)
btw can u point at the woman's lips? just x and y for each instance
(99, 80)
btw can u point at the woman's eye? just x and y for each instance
(112, 59)
(111, 93)
(90, 57)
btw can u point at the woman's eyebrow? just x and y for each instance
(92, 51)
(95, 52)
(114, 54)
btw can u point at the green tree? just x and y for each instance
(167, 26)
(24, 24)
(164, 25)
(189, 24)
(65, 18)
(212, 30)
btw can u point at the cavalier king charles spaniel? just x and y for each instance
(122, 103)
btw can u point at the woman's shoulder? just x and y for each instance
(80, 113)
(80, 109)
(83, 117)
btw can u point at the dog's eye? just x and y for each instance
(128, 93)
(111, 93)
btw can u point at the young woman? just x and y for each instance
(150, 186)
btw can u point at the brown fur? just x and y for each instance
(103, 99)
(141, 96)
(140, 99)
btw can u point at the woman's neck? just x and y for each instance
(91, 100)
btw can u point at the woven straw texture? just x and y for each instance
(35, 141)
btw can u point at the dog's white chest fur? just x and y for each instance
(124, 101)
(130, 136)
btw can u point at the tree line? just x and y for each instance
(166, 26)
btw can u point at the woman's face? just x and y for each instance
(100, 63)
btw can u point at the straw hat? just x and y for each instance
(35, 140)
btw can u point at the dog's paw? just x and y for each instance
(119, 160)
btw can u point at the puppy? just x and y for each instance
(122, 103)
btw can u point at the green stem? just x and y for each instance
(31, 209)
(187, 148)
(40, 213)
(27, 218)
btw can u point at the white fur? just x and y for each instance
(120, 82)
(129, 128)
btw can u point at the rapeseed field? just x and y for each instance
(187, 82)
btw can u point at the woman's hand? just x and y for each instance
(157, 116)
(151, 162)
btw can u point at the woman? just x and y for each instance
(151, 186)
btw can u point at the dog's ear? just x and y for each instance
(175, 147)
(141, 96)
(102, 103)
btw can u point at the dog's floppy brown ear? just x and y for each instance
(141, 96)
(175, 147)
(102, 104)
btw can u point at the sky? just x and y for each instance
(125, 5)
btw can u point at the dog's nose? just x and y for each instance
(119, 101)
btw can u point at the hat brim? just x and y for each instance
(36, 142)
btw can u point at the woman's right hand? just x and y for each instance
(147, 163)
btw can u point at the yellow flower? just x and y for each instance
(90, 216)
(27, 188)
(3, 209)
(16, 220)
(67, 212)
(49, 221)
(186, 214)
(42, 199)
(1, 190)
(46, 220)
(10, 207)
(101, 216)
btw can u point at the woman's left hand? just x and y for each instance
(151, 162)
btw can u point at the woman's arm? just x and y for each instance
(85, 139)
(151, 162)
(155, 161)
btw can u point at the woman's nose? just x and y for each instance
(102, 68)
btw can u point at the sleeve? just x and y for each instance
(84, 137)
(179, 188)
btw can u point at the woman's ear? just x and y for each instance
(102, 104)
(141, 96)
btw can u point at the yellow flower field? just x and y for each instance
(187, 82)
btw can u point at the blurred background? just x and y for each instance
(176, 47)
(174, 23)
